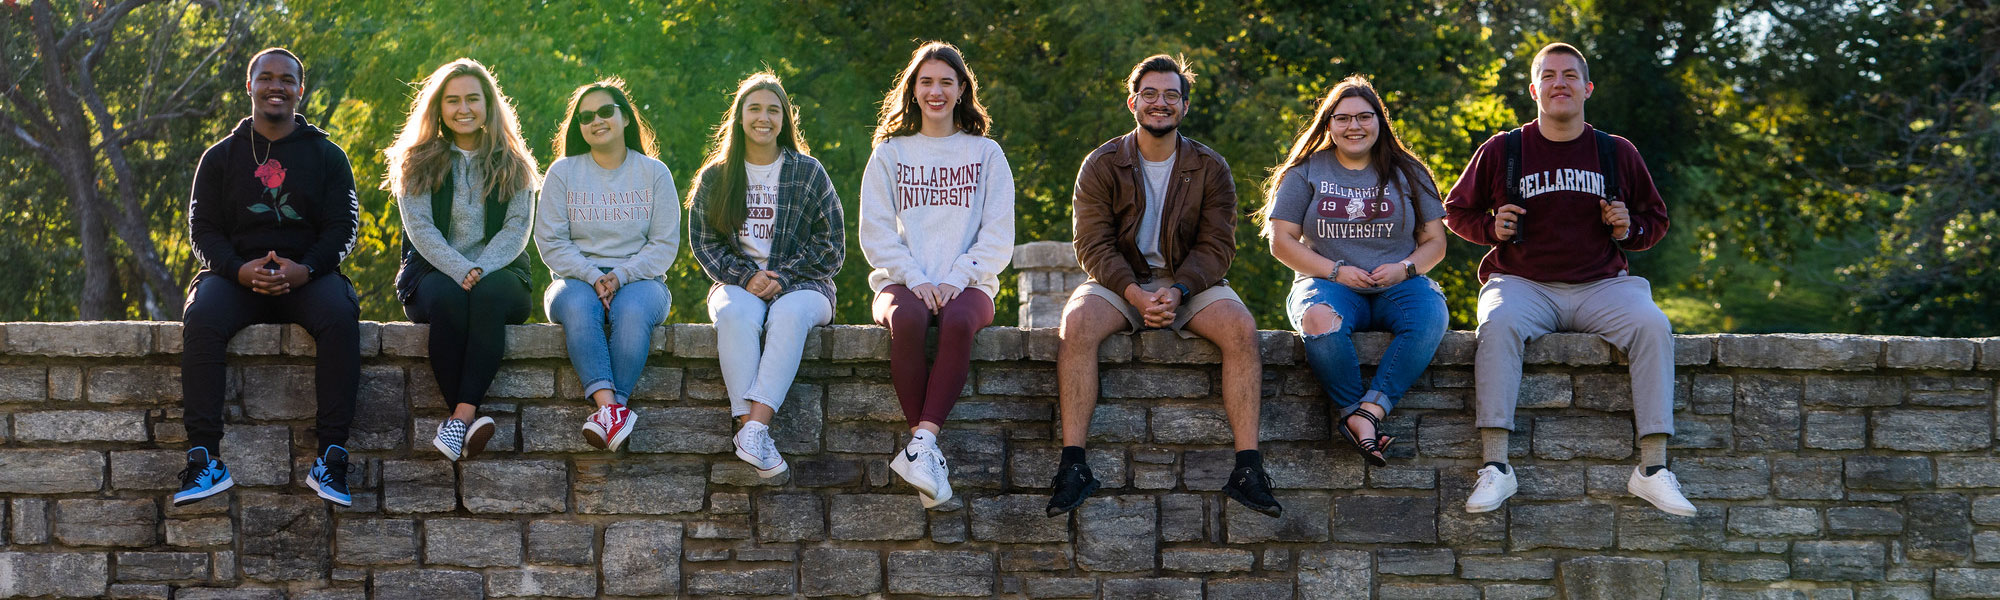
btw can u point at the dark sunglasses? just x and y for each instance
(586, 116)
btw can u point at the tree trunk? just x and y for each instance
(99, 299)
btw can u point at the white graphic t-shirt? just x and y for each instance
(760, 201)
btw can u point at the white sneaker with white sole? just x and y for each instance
(1662, 489)
(924, 467)
(1494, 488)
(754, 446)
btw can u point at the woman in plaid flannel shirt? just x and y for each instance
(765, 224)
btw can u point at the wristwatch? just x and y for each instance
(1184, 290)
(1410, 268)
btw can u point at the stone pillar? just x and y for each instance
(1048, 272)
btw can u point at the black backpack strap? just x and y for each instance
(1513, 185)
(1607, 164)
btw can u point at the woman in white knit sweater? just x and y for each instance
(937, 225)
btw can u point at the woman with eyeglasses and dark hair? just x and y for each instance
(937, 224)
(765, 225)
(608, 227)
(1357, 216)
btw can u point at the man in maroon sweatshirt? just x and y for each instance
(1559, 230)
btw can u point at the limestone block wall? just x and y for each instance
(1045, 274)
(1826, 467)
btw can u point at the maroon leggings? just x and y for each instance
(928, 390)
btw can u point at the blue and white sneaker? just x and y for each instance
(203, 477)
(329, 476)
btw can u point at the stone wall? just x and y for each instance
(1045, 273)
(1826, 468)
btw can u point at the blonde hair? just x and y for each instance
(420, 158)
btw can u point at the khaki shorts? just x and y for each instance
(1189, 306)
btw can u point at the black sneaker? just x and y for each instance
(204, 476)
(329, 476)
(1250, 486)
(1073, 484)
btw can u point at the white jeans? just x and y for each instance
(759, 343)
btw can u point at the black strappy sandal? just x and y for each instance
(1370, 449)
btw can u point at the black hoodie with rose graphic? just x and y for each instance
(294, 196)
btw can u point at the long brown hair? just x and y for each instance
(420, 158)
(1388, 157)
(897, 107)
(725, 153)
(638, 134)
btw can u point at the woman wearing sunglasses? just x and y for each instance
(765, 224)
(609, 228)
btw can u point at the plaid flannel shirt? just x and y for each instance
(809, 241)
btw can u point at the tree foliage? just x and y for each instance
(1827, 162)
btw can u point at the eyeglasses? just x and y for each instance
(1364, 118)
(1155, 96)
(587, 116)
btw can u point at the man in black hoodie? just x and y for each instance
(272, 214)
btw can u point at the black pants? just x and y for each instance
(219, 307)
(468, 329)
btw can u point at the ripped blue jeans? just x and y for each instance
(1413, 311)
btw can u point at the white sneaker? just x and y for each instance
(924, 467)
(1493, 489)
(754, 446)
(450, 438)
(1663, 489)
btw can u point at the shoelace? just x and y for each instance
(1487, 479)
(762, 446)
(336, 472)
(192, 471)
(937, 465)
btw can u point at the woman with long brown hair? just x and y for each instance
(937, 224)
(1357, 216)
(465, 184)
(765, 224)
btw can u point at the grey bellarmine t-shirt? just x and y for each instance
(1347, 214)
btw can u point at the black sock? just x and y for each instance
(1072, 455)
(1249, 458)
(1654, 469)
(1504, 469)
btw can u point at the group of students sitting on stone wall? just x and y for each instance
(1359, 218)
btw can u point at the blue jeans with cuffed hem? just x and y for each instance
(1413, 311)
(611, 359)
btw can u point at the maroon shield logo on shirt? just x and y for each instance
(1354, 209)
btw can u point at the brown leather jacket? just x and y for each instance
(1199, 220)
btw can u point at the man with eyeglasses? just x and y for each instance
(1560, 202)
(1155, 230)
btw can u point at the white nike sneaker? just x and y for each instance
(1493, 489)
(754, 446)
(1662, 489)
(924, 467)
